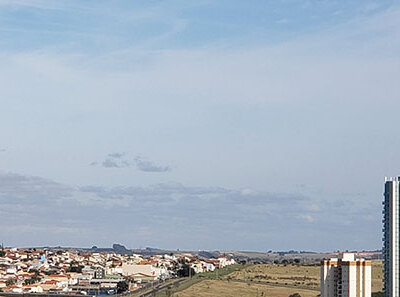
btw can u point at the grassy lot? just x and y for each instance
(292, 275)
(213, 288)
(297, 275)
(276, 281)
(377, 276)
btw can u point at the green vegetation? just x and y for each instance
(75, 268)
(122, 287)
(214, 275)
(186, 271)
(31, 281)
(10, 282)
(136, 294)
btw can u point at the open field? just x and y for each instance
(268, 280)
(377, 276)
(293, 275)
(303, 276)
(213, 288)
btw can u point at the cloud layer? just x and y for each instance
(171, 216)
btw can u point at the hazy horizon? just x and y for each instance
(294, 251)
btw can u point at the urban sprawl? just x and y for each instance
(65, 271)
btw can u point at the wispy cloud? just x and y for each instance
(149, 166)
(113, 163)
(282, 21)
(120, 160)
(308, 218)
(116, 155)
(39, 4)
(20, 189)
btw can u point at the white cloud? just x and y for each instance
(307, 218)
(40, 4)
(282, 21)
(314, 208)
(248, 192)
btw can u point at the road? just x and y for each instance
(163, 286)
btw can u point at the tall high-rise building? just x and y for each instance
(391, 255)
(346, 277)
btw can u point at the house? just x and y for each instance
(208, 265)
(224, 261)
(49, 285)
(142, 277)
(197, 267)
(35, 288)
(13, 288)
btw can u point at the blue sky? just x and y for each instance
(150, 123)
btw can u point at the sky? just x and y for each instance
(203, 125)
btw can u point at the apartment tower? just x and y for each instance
(391, 237)
(346, 277)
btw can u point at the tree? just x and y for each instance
(122, 286)
(10, 282)
(75, 268)
(185, 271)
(2, 253)
(29, 281)
(295, 295)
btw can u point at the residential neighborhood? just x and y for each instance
(66, 271)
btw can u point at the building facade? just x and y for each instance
(391, 237)
(346, 277)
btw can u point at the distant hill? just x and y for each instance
(246, 256)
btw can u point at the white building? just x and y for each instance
(150, 270)
(391, 238)
(346, 277)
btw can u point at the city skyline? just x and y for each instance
(207, 125)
